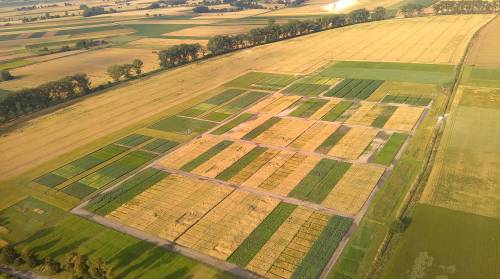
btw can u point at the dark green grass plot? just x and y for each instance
(320, 181)
(160, 145)
(262, 128)
(183, 125)
(78, 190)
(306, 89)
(254, 242)
(78, 31)
(50, 180)
(318, 256)
(241, 163)
(390, 149)
(233, 123)
(133, 140)
(354, 88)
(202, 158)
(383, 117)
(37, 34)
(337, 111)
(409, 100)
(107, 202)
(308, 108)
(156, 30)
(332, 139)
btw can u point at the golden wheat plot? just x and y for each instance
(275, 104)
(324, 109)
(268, 254)
(365, 115)
(226, 226)
(268, 169)
(404, 118)
(254, 166)
(188, 152)
(354, 143)
(284, 132)
(283, 180)
(171, 206)
(247, 126)
(264, 103)
(295, 250)
(314, 136)
(354, 188)
(224, 159)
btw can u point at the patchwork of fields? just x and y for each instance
(273, 171)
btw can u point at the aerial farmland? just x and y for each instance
(249, 139)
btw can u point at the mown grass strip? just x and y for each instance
(206, 155)
(261, 129)
(241, 163)
(337, 111)
(254, 242)
(332, 139)
(316, 259)
(308, 107)
(107, 202)
(390, 149)
(387, 112)
(231, 124)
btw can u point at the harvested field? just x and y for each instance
(94, 62)
(484, 51)
(55, 55)
(284, 132)
(170, 207)
(225, 227)
(354, 188)
(404, 118)
(188, 152)
(213, 30)
(354, 143)
(313, 137)
(275, 104)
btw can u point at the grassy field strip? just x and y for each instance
(234, 106)
(107, 202)
(261, 128)
(386, 155)
(188, 152)
(207, 155)
(283, 132)
(85, 163)
(408, 100)
(264, 81)
(324, 109)
(268, 169)
(262, 234)
(313, 137)
(108, 174)
(226, 226)
(224, 159)
(132, 140)
(275, 106)
(354, 143)
(183, 125)
(354, 188)
(354, 89)
(306, 89)
(332, 140)
(211, 103)
(171, 206)
(337, 111)
(404, 118)
(267, 254)
(241, 163)
(233, 123)
(249, 169)
(308, 108)
(316, 185)
(384, 116)
(246, 127)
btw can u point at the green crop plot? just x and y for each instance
(383, 117)
(133, 140)
(308, 108)
(261, 128)
(78, 31)
(306, 89)
(233, 123)
(337, 111)
(156, 30)
(235, 105)
(160, 145)
(332, 139)
(78, 190)
(107, 202)
(183, 125)
(409, 100)
(8, 37)
(318, 256)
(390, 149)
(354, 88)
(37, 34)
(241, 163)
(202, 158)
(14, 64)
(213, 102)
(320, 181)
(265, 81)
(78, 166)
(254, 242)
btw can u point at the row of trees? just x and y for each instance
(466, 7)
(116, 72)
(411, 10)
(77, 265)
(93, 11)
(51, 93)
(180, 54)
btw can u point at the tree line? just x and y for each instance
(78, 266)
(116, 72)
(466, 7)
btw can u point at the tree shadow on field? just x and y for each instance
(155, 258)
(180, 273)
(126, 255)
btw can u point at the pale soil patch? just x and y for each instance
(93, 63)
(166, 42)
(209, 31)
(354, 188)
(55, 55)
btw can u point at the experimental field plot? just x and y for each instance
(263, 81)
(354, 88)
